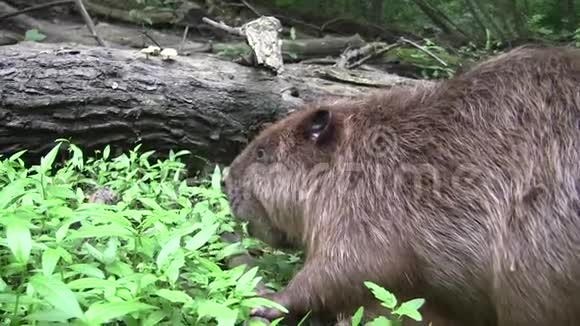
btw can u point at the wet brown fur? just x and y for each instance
(465, 193)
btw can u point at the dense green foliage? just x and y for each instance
(474, 21)
(155, 257)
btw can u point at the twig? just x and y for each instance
(256, 12)
(152, 39)
(375, 54)
(37, 7)
(318, 61)
(294, 21)
(184, 38)
(402, 39)
(89, 22)
(333, 20)
(232, 30)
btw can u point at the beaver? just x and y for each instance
(464, 193)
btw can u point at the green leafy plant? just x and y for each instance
(576, 37)
(154, 257)
(409, 309)
(34, 35)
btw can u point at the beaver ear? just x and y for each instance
(319, 126)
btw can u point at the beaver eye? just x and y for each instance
(260, 154)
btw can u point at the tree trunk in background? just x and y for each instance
(376, 11)
(478, 18)
(572, 18)
(442, 21)
(505, 18)
(518, 13)
(488, 19)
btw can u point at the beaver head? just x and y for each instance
(268, 182)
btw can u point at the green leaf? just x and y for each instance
(34, 35)
(357, 317)
(59, 191)
(228, 318)
(17, 155)
(303, 320)
(61, 232)
(13, 192)
(275, 322)
(120, 268)
(210, 308)
(91, 283)
(410, 309)
(388, 299)
(154, 318)
(47, 161)
(233, 249)
(110, 253)
(172, 271)
(101, 232)
(210, 265)
(19, 239)
(3, 285)
(150, 204)
(380, 321)
(216, 179)
(50, 258)
(174, 296)
(292, 33)
(11, 299)
(55, 315)
(93, 251)
(88, 270)
(222, 314)
(201, 237)
(106, 152)
(168, 249)
(256, 322)
(147, 280)
(100, 313)
(56, 293)
(77, 158)
(248, 281)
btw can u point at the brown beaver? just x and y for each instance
(465, 193)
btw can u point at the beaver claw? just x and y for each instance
(267, 312)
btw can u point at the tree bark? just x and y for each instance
(495, 29)
(572, 18)
(298, 50)
(376, 11)
(442, 21)
(98, 96)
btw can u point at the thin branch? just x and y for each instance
(293, 21)
(89, 22)
(37, 7)
(256, 12)
(318, 61)
(332, 21)
(152, 39)
(375, 54)
(402, 39)
(184, 38)
(232, 30)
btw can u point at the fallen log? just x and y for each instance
(98, 96)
